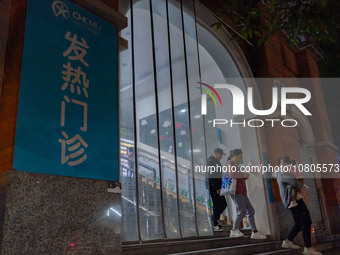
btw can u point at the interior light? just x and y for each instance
(115, 211)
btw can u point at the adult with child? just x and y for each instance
(292, 169)
(241, 200)
(215, 183)
(290, 188)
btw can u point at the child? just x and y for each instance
(299, 176)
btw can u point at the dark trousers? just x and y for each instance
(219, 205)
(302, 222)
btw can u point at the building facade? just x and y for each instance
(167, 49)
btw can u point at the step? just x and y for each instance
(282, 252)
(244, 249)
(197, 244)
(328, 238)
(322, 247)
(226, 231)
(335, 251)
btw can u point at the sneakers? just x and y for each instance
(289, 245)
(311, 251)
(292, 204)
(236, 233)
(257, 235)
(218, 227)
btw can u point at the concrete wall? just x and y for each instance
(44, 214)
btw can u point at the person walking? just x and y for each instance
(241, 200)
(215, 183)
(302, 220)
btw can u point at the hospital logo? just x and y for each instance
(60, 9)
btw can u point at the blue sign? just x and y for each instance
(219, 135)
(67, 120)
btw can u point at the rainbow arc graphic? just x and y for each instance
(209, 93)
(204, 96)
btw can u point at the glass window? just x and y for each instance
(127, 127)
(182, 122)
(166, 126)
(168, 56)
(150, 205)
(197, 122)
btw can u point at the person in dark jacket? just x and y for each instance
(215, 183)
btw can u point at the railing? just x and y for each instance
(170, 165)
(149, 183)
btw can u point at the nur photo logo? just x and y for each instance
(288, 96)
(204, 97)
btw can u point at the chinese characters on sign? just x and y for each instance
(69, 125)
(74, 147)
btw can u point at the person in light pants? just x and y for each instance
(241, 200)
